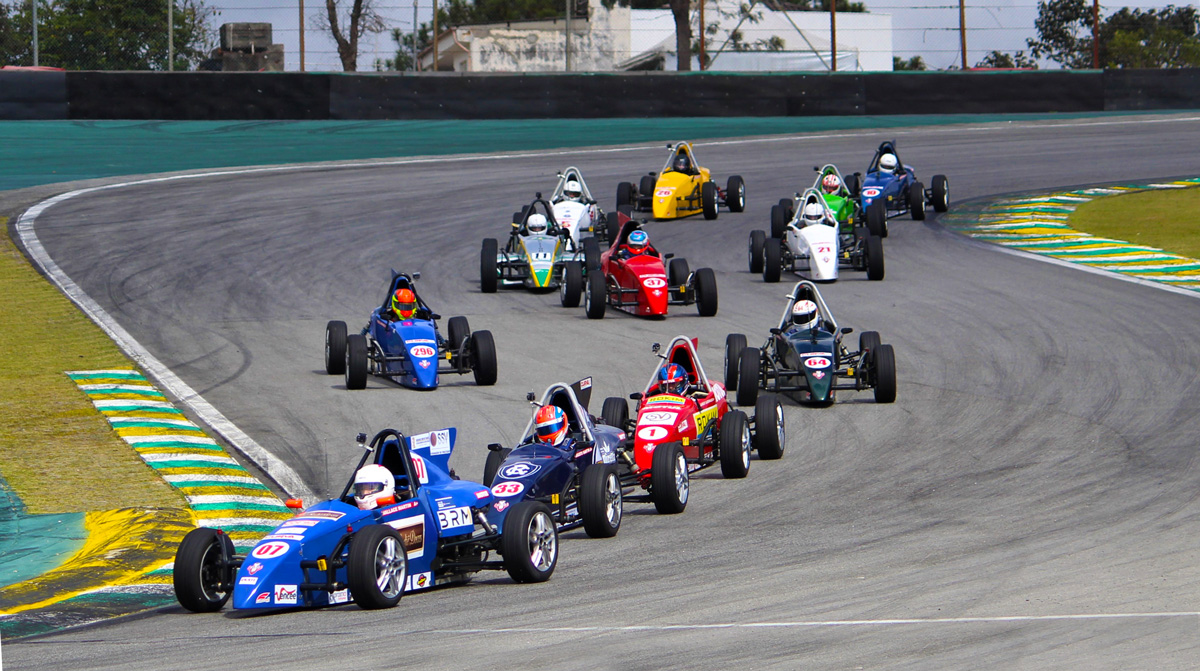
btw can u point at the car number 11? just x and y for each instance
(454, 517)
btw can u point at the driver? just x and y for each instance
(813, 214)
(888, 163)
(672, 379)
(403, 306)
(805, 316)
(683, 163)
(374, 486)
(831, 184)
(550, 426)
(637, 243)
(536, 224)
(572, 191)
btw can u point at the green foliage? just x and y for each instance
(1002, 60)
(914, 63)
(1128, 38)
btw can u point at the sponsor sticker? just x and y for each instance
(290, 530)
(654, 282)
(508, 489)
(302, 523)
(652, 433)
(871, 192)
(519, 470)
(412, 534)
(665, 399)
(283, 537)
(420, 580)
(398, 508)
(445, 503)
(247, 580)
(718, 392)
(420, 341)
(438, 442)
(585, 383)
(324, 515)
(499, 506)
(455, 517)
(285, 595)
(607, 455)
(817, 362)
(423, 351)
(423, 363)
(265, 597)
(270, 550)
(583, 453)
(339, 596)
(662, 418)
(481, 494)
(254, 568)
(819, 374)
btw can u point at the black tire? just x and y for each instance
(529, 542)
(377, 555)
(624, 195)
(853, 185)
(571, 289)
(787, 204)
(198, 576)
(646, 185)
(594, 295)
(749, 363)
(916, 200)
(708, 200)
(779, 221)
(356, 361)
(669, 480)
(772, 260)
(483, 358)
(941, 193)
(735, 444)
(877, 218)
(458, 330)
(735, 194)
(758, 239)
(591, 254)
(874, 252)
(600, 503)
(335, 348)
(769, 435)
(734, 344)
(615, 412)
(884, 361)
(706, 292)
(677, 273)
(613, 227)
(489, 280)
(517, 216)
(868, 340)
(491, 465)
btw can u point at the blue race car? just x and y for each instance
(579, 480)
(894, 189)
(409, 351)
(435, 531)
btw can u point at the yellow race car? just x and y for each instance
(682, 189)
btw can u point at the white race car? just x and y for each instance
(574, 208)
(814, 242)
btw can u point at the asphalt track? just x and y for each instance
(1030, 500)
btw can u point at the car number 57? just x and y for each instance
(454, 517)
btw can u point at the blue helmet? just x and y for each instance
(672, 379)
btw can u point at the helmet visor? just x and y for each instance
(364, 489)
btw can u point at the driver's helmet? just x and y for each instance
(371, 484)
(682, 164)
(550, 425)
(404, 303)
(536, 223)
(813, 214)
(638, 241)
(804, 314)
(572, 190)
(672, 379)
(888, 162)
(831, 183)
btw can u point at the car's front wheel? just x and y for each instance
(529, 542)
(377, 567)
(202, 578)
(600, 502)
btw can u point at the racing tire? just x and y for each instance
(677, 273)
(772, 260)
(941, 193)
(600, 503)
(483, 358)
(529, 542)
(735, 444)
(646, 185)
(734, 344)
(198, 576)
(916, 201)
(779, 221)
(735, 194)
(853, 185)
(615, 412)
(594, 298)
(749, 362)
(335, 348)
(708, 200)
(874, 250)
(612, 226)
(591, 254)
(669, 479)
(868, 340)
(491, 465)
(769, 435)
(758, 239)
(377, 568)
(489, 280)
(706, 292)
(459, 330)
(356, 361)
(571, 289)
(884, 362)
(877, 218)
(517, 218)
(624, 194)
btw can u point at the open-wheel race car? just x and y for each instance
(401, 342)
(633, 277)
(431, 529)
(893, 186)
(539, 254)
(804, 357)
(806, 235)
(575, 210)
(681, 189)
(683, 422)
(569, 467)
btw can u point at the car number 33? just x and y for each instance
(454, 517)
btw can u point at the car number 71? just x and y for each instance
(454, 517)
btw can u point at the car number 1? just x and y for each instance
(454, 517)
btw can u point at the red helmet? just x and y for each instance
(550, 424)
(672, 379)
(831, 183)
(404, 303)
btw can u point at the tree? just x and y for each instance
(1004, 61)
(361, 19)
(1165, 37)
(914, 63)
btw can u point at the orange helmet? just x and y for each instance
(404, 303)
(550, 424)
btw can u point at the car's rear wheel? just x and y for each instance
(646, 185)
(868, 340)
(600, 503)
(941, 193)
(488, 277)
(735, 194)
(356, 361)
(779, 221)
(529, 542)
(459, 330)
(203, 580)
(734, 344)
(483, 358)
(708, 200)
(787, 204)
(677, 273)
(884, 360)
(669, 480)
(571, 289)
(873, 246)
(335, 347)
(735, 444)
(591, 254)
(615, 412)
(377, 567)
(772, 260)
(624, 194)
(706, 292)
(853, 185)
(916, 200)
(749, 362)
(758, 240)
(876, 218)
(769, 434)
(491, 465)
(594, 299)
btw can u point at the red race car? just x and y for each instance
(633, 277)
(684, 423)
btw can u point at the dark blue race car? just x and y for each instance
(896, 190)
(434, 531)
(411, 351)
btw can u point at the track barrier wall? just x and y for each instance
(26, 95)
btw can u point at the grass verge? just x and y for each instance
(1165, 219)
(56, 451)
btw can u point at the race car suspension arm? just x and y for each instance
(329, 565)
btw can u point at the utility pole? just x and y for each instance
(567, 35)
(170, 35)
(35, 40)
(1095, 34)
(962, 31)
(415, 65)
(702, 35)
(435, 37)
(301, 35)
(833, 35)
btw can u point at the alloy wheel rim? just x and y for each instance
(543, 544)
(613, 504)
(681, 478)
(745, 446)
(389, 568)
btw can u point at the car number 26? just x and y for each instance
(454, 517)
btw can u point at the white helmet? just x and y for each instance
(831, 183)
(813, 214)
(536, 223)
(572, 190)
(804, 314)
(888, 162)
(372, 483)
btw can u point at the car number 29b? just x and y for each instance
(454, 517)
